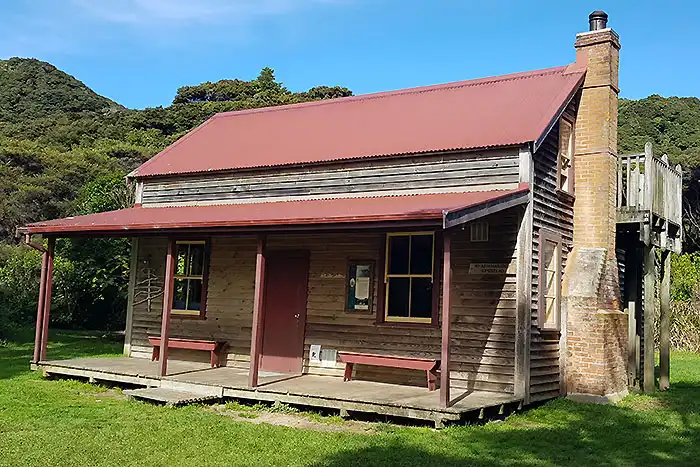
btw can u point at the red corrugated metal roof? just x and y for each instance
(499, 111)
(283, 213)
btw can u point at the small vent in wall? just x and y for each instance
(479, 231)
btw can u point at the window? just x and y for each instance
(409, 277)
(479, 231)
(189, 283)
(565, 158)
(359, 286)
(550, 280)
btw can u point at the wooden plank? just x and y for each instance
(463, 216)
(40, 308)
(523, 306)
(632, 287)
(649, 300)
(446, 320)
(168, 287)
(665, 321)
(50, 250)
(258, 314)
(133, 272)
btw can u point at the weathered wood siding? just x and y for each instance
(553, 210)
(472, 171)
(229, 300)
(483, 342)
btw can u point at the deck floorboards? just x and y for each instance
(311, 390)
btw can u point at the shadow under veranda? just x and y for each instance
(17, 351)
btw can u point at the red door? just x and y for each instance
(286, 287)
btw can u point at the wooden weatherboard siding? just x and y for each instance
(554, 211)
(483, 313)
(229, 300)
(472, 171)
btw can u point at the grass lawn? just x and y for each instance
(62, 422)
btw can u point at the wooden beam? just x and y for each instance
(665, 322)
(168, 287)
(446, 319)
(258, 315)
(133, 273)
(462, 216)
(649, 300)
(50, 249)
(40, 308)
(632, 292)
(523, 306)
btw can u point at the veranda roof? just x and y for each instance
(444, 209)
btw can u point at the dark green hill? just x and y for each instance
(30, 88)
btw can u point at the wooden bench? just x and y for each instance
(214, 347)
(429, 366)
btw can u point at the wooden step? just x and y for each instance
(170, 397)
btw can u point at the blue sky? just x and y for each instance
(138, 52)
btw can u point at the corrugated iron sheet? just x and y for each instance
(284, 213)
(499, 111)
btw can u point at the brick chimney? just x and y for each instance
(595, 332)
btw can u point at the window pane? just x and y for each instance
(180, 294)
(181, 266)
(398, 254)
(196, 260)
(421, 254)
(398, 296)
(550, 311)
(194, 300)
(421, 297)
(566, 132)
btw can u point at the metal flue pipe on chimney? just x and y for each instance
(598, 20)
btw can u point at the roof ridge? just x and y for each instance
(399, 92)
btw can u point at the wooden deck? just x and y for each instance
(325, 392)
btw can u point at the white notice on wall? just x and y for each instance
(315, 353)
(488, 268)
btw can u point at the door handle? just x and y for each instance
(296, 316)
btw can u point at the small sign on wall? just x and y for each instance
(315, 353)
(488, 268)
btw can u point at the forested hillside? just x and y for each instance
(64, 150)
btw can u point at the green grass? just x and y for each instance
(62, 422)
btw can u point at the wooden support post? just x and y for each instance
(665, 321)
(168, 288)
(50, 249)
(40, 307)
(133, 273)
(258, 315)
(632, 291)
(446, 320)
(523, 310)
(649, 301)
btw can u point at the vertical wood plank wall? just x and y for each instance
(483, 343)
(553, 210)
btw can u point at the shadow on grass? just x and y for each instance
(17, 352)
(559, 433)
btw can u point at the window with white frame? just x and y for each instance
(565, 156)
(550, 280)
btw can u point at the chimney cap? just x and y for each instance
(598, 20)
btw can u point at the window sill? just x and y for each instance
(408, 324)
(186, 316)
(565, 194)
